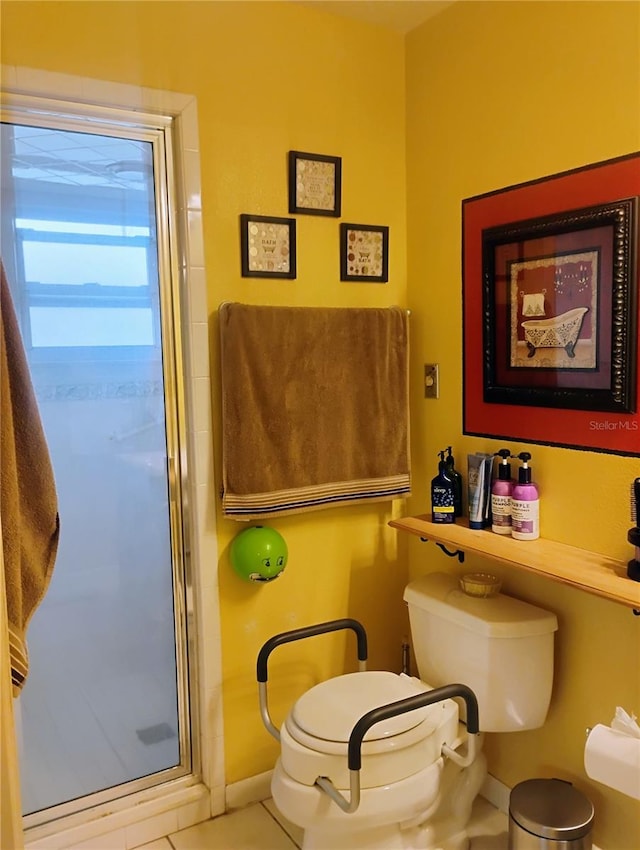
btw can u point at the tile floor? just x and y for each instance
(261, 827)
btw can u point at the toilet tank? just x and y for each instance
(500, 647)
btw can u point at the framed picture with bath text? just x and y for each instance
(364, 252)
(315, 183)
(550, 310)
(267, 246)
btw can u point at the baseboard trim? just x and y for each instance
(496, 793)
(254, 789)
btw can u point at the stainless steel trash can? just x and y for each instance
(549, 814)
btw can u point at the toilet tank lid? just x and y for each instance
(497, 616)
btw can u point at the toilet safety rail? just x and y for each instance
(298, 634)
(384, 712)
(376, 715)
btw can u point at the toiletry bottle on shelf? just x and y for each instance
(501, 493)
(442, 500)
(525, 504)
(633, 536)
(455, 476)
(478, 490)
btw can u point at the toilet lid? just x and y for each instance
(330, 710)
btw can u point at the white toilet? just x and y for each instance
(366, 764)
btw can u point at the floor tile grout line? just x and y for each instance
(280, 825)
(476, 841)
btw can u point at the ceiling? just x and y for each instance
(77, 159)
(399, 15)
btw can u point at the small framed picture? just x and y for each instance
(364, 252)
(315, 183)
(268, 246)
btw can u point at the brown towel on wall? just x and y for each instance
(314, 407)
(28, 501)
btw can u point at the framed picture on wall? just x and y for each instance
(267, 246)
(551, 310)
(315, 184)
(364, 252)
(559, 326)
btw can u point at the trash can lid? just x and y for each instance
(551, 808)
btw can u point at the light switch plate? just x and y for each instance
(431, 381)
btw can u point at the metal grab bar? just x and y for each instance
(376, 715)
(299, 634)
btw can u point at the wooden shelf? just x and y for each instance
(588, 571)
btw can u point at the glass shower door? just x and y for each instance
(104, 705)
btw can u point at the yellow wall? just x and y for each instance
(269, 78)
(496, 93)
(500, 93)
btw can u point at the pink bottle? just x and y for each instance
(501, 494)
(525, 504)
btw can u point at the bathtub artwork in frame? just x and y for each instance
(550, 328)
(550, 310)
(557, 308)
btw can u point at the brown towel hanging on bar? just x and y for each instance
(28, 501)
(314, 407)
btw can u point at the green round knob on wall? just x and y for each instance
(259, 554)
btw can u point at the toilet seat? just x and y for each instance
(328, 710)
(323, 718)
(316, 732)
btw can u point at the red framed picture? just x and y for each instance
(550, 310)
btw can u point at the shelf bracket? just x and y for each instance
(452, 554)
(457, 553)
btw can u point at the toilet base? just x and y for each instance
(430, 812)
